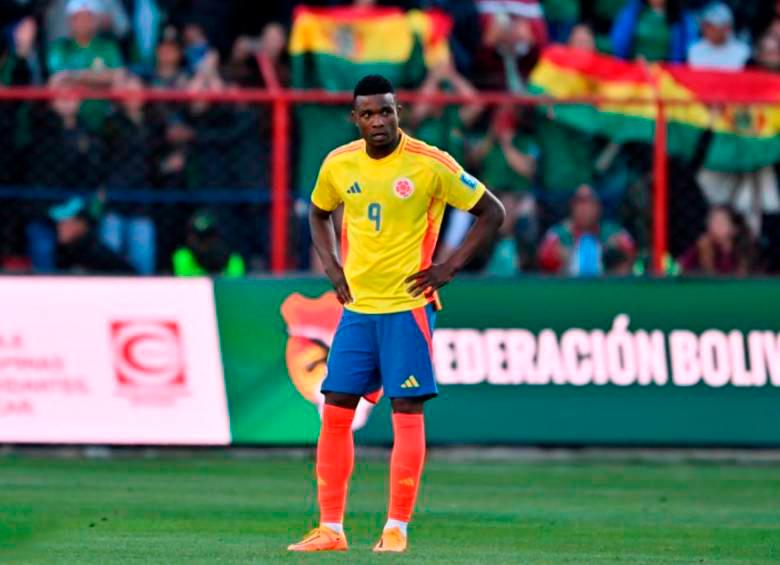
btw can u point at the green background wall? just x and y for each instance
(266, 408)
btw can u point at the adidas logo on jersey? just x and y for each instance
(354, 189)
(410, 382)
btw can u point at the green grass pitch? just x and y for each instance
(213, 508)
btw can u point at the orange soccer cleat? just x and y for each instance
(392, 541)
(321, 539)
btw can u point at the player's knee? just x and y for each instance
(342, 400)
(408, 405)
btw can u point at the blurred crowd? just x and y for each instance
(188, 182)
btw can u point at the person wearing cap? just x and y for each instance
(584, 244)
(78, 247)
(206, 252)
(85, 58)
(718, 48)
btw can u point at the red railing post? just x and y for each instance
(280, 186)
(660, 192)
(660, 176)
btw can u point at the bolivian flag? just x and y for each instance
(332, 48)
(746, 138)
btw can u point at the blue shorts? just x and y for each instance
(371, 352)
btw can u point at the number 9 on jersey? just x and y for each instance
(375, 215)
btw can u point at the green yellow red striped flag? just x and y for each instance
(332, 48)
(746, 136)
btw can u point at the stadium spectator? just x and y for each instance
(197, 50)
(127, 227)
(260, 61)
(205, 251)
(68, 155)
(718, 48)
(174, 142)
(584, 244)
(273, 49)
(79, 250)
(581, 37)
(168, 71)
(561, 16)
(86, 59)
(768, 53)
(242, 66)
(726, 248)
(507, 158)
(513, 32)
(18, 62)
(654, 30)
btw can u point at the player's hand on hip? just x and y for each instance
(339, 281)
(432, 278)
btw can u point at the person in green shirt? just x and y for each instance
(655, 30)
(86, 59)
(561, 16)
(652, 35)
(205, 252)
(508, 157)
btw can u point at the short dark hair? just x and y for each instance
(372, 84)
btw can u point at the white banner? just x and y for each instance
(110, 361)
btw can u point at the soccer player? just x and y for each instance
(394, 190)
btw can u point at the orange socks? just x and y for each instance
(335, 458)
(406, 464)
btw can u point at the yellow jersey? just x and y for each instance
(393, 208)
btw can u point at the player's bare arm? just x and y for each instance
(490, 215)
(323, 234)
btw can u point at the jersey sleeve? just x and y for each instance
(460, 189)
(325, 196)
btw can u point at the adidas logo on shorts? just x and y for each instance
(410, 382)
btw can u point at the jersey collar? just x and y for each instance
(397, 151)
